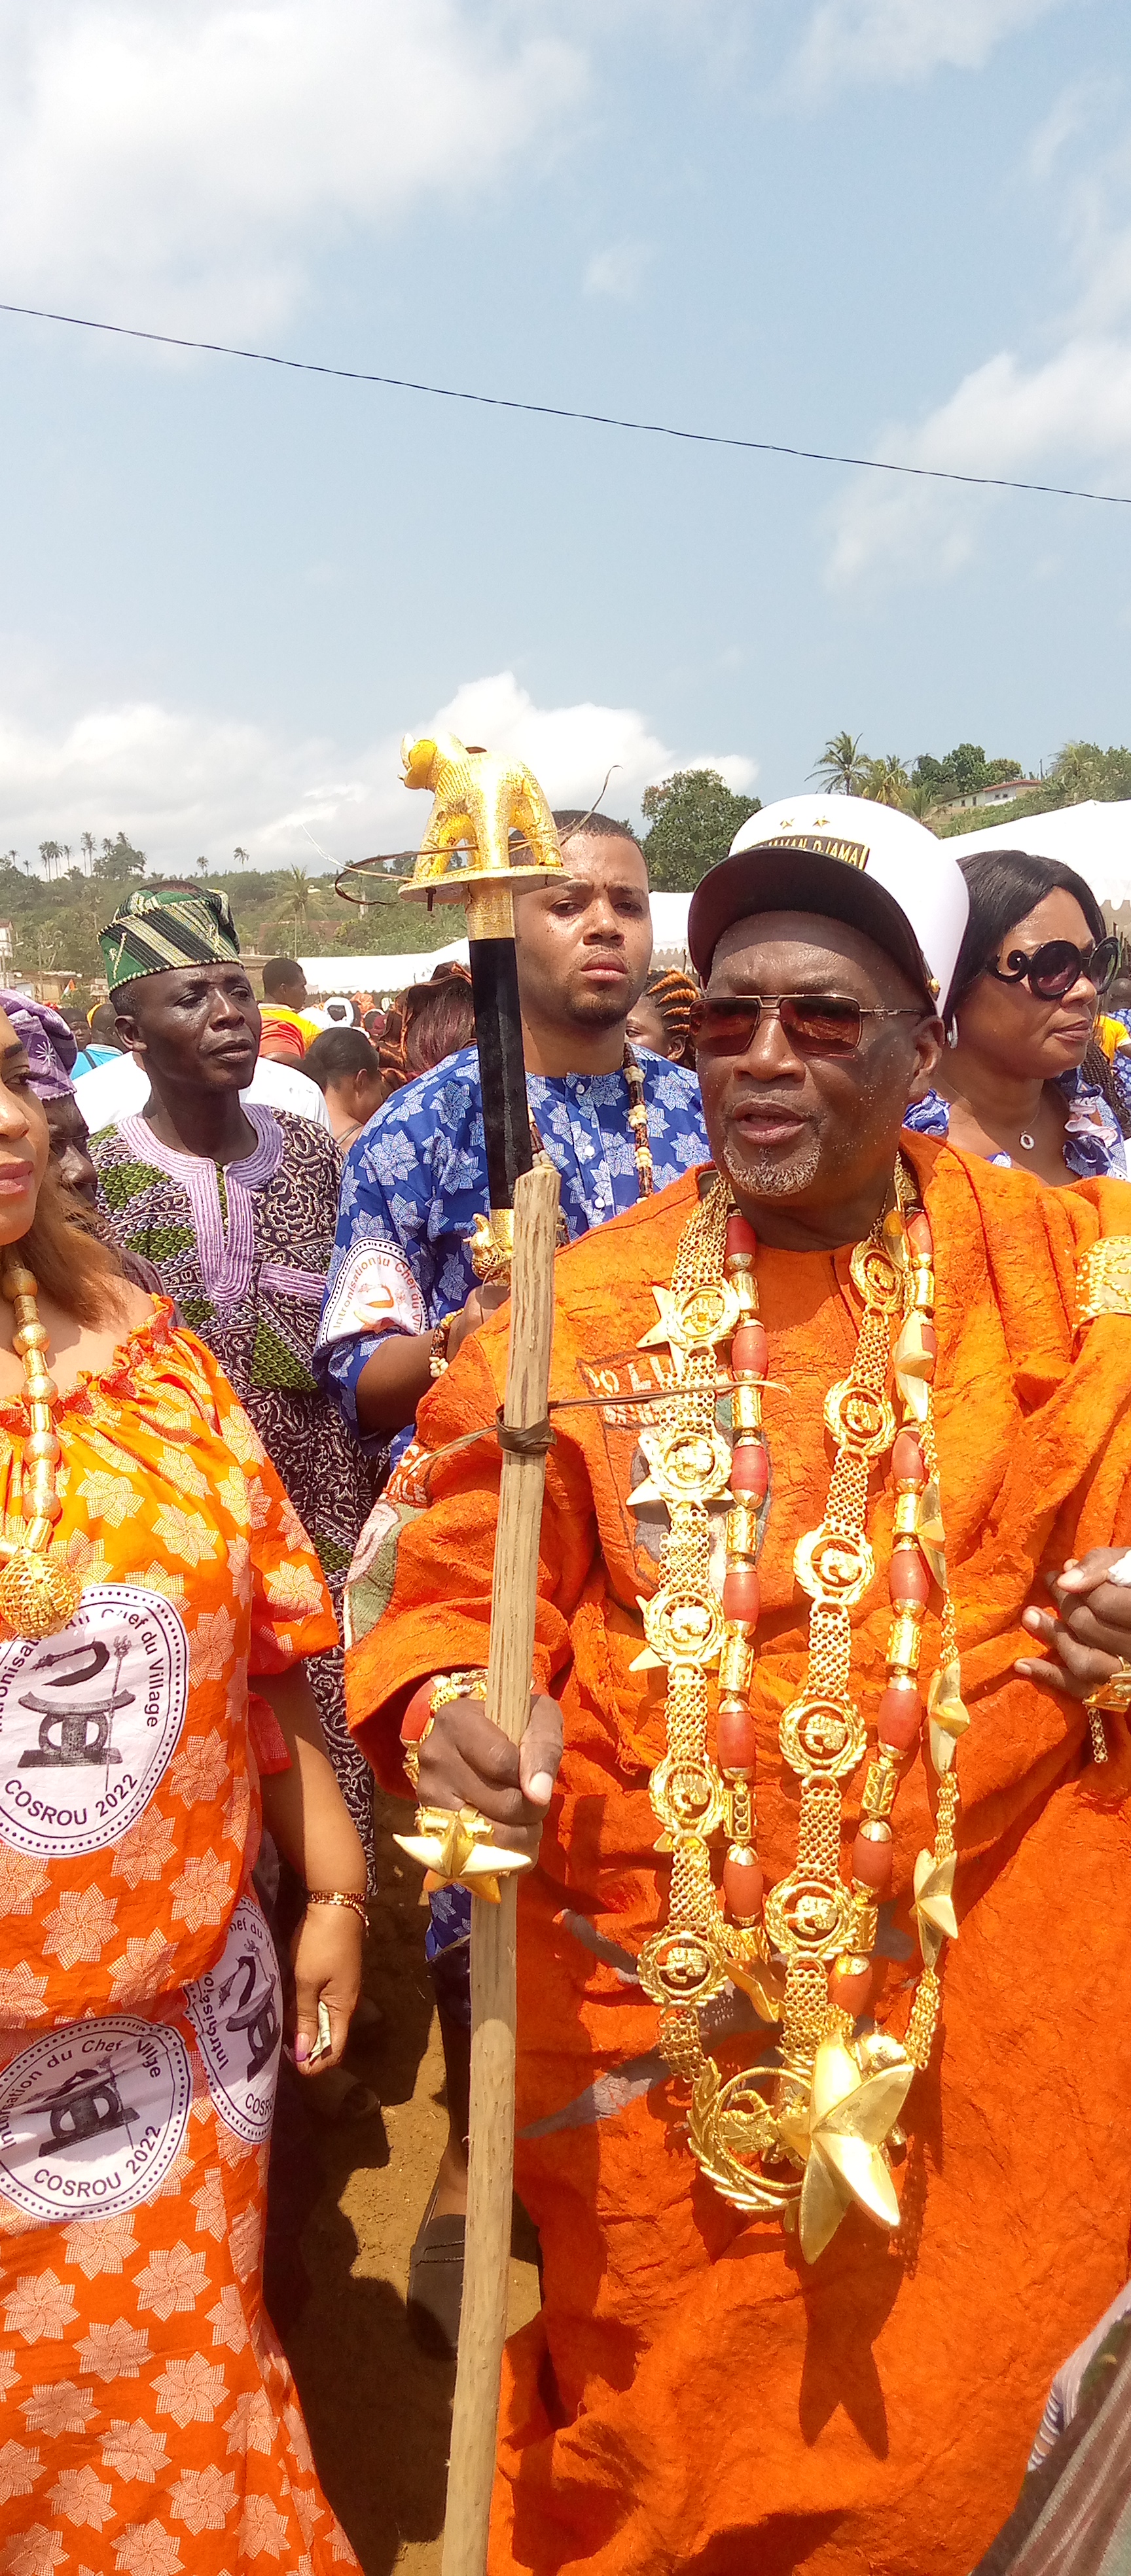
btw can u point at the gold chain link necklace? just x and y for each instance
(39, 1593)
(805, 1955)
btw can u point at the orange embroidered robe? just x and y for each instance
(691, 2397)
(148, 2419)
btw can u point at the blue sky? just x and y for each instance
(894, 227)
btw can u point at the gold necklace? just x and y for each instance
(38, 1594)
(805, 1954)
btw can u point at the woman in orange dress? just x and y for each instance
(158, 1598)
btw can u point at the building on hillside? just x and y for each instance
(1005, 791)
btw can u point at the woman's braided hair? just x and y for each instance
(677, 1000)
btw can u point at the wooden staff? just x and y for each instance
(514, 1598)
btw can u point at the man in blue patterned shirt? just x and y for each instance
(417, 1176)
(413, 1184)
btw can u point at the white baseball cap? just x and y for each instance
(852, 860)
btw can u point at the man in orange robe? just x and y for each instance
(694, 2396)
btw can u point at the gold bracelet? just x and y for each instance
(438, 1347)
(465, 1685)
(338, 1896)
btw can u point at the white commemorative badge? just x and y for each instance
(92, 2117)
(236, 2010)
(88, 1721)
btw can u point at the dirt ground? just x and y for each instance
(378, 2410)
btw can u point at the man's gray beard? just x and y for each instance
(764, 1178)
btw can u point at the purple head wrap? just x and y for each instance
(51, 1047)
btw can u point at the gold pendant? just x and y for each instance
(38, 1596)
(455, 1846)
(851, 2112)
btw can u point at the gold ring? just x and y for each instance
(1115, 1693)
(465, 1685)
(1113, 1698)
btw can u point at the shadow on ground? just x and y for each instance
(378, 2410)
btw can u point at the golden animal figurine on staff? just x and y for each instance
(481, 802)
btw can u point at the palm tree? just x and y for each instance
(921, 801)
(300, 898)
(842, 765)
(886, 781)
(1077, 771)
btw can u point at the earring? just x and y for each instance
(952, 1034)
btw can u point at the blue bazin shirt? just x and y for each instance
(416, 1179)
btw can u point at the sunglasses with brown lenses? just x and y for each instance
(814, 1023)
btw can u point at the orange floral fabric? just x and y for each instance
(691, 2397)
(148, 2421)
(164, 1484)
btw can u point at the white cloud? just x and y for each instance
(183, 782)
(1065, 120)
(1065, 421)
(175, 782)
(569, 748)
(617, 271)
(1062, 417)
(905, 40)
(185, 164)
(736, 771)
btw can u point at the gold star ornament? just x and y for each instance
(930, 1532)
(934, 1904)
(850, 2115)
(456, 1850)
(914, 1367)
(948, 1714)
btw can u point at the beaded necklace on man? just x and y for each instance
(801, 2144)
(633, 1072)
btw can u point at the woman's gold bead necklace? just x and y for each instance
(37, 1596)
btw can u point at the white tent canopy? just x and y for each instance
(1092, 838)
(378, 974)
(387, 975)
(669, 923)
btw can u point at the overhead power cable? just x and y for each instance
(560, 411)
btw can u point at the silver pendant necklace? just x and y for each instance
(1029, 1142)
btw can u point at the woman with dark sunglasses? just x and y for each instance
(1024, 1080)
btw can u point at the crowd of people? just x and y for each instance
(864, 1304)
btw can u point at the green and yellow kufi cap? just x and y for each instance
(173, 926)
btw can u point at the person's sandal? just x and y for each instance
(435, 2282)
